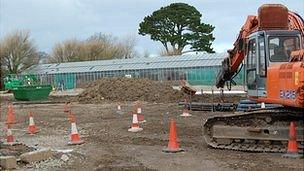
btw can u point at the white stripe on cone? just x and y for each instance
(135, 121)
(32, 121)
(139, 110)
(74, 128)
(9, 132)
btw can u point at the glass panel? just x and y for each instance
(280, 47)
(262, 62)
(251, 65)
(252, 54)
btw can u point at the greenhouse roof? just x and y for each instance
(183, 61)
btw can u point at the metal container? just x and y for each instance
(32, 92)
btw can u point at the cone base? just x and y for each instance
(76, 142)
(119, 112)
(185, 114)
(135, 129)
(144, 121)
(292, 155)
(11, 143)
(32, 133)
(169, 150)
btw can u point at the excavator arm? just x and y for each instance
(236, 55)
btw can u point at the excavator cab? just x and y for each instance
(265, 48)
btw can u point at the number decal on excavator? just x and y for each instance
(288, 94)
(296, 78)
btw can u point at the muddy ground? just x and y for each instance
(109, 146)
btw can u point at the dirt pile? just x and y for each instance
(129, 89)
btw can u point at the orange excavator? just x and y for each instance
(270, 50)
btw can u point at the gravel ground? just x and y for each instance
(109, 146)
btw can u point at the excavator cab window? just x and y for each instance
(280, 47)
(251, 64)
(262, 56)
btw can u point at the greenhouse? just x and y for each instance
(197, 69)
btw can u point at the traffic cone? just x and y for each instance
(140, 116)
(74, 136)
(9, 136)
(135, 126)
(119, 111)
(292, 150)
(185, 110)
(10, 115)
(67, 107)
(173, 145)
(32, 129)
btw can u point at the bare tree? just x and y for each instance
(97, 47)
(100, 46)
(18, 52)
(69, 50)
(127, 45)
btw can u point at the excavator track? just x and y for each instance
(257, 131)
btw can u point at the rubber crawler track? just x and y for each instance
(249, 119)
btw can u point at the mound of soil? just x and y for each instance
(129, 89)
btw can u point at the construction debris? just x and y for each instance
(35, 156)
(186, 88)
(64, 157)
(8, 162)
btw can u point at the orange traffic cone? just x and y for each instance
(10, 115)
(292, 151)
(173, 145)
(9, 136)
(140, 116)
(135, 126)
(74, 137)
(32, 129)
(67, 107)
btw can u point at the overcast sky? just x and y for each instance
(52, 21)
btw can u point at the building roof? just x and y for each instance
(185, 60)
